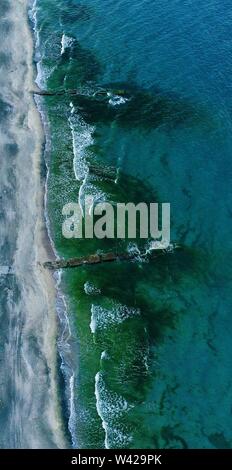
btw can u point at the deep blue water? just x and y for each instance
(180, 51)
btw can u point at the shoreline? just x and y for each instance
(65, 374)
(36, 368)
(43, 242)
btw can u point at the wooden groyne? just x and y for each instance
(77, 92)
(57, 93)
(105, 258)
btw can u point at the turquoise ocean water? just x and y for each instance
(146, 347)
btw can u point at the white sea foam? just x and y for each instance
(90, 189)
(91, 289)
(42, 74)
(93, 324)
(72, 412)
(66, 42)
(134, 250)
(67, 353)
(116, 100)
(104, 356)
(82, 136)
(111, 407)
(82, 139)
(103, 318)
(159, 245)
(33, 16)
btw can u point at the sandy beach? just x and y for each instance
(34, 417)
